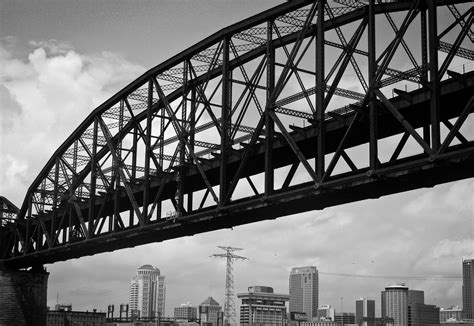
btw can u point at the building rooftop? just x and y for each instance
(304, 269)
(147, 267)
(400, 286)
(210, 302)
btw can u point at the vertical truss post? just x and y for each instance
(56, 184)
(116, 172)
(162, 152)
(373, 148)
(134, 168)
(269, 124)
(182, 147)
(424, 64)
(148, 149)
(93, 176)
(434, 75)
(226, 118)
(74, 157)
(320, 91)
(55, 196)
(192, 123)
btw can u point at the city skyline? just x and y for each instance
(425, 232)
(411, 296)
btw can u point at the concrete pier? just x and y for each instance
(23, 297)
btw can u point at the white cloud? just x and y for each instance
(45, 97)
(52, 46)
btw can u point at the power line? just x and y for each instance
(432, 278)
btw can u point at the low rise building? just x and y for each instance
(326, 313)
(65, 316)
(345, 318)
(261, 307)
(210, 313)
(450, 315)
(185, 312)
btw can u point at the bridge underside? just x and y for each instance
(266, 150)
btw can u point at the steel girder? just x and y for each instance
(252, 123)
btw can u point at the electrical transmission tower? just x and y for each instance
(229, 307)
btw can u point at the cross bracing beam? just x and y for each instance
(146, 112)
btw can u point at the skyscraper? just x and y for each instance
(395, 304)
(468, 289)
(304, 290)
(147, 292)
(365, 312)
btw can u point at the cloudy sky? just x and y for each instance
(60, 59)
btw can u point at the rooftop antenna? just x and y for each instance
(229, 306)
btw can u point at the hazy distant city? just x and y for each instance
(261, 306)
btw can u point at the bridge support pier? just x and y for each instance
(23, 297)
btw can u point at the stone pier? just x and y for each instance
(23, 297)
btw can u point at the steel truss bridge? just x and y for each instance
(307, 105)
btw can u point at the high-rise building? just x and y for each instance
(450, 314)
(210, 312)
(304, 288)
(395, 304)
(185, 312)
(147, 292)
(260, 306)
(326, 313)
(468, 289)
(365, 312)
(345, 318)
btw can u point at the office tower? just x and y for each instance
(420, 314)
(415, 296)
(260, 306)
(147, 292)
(395, 304)
(303, 285)
(186, 312)
(345, 318)
(468, 289)
(365, 312)
(451, 314)
(326, 313)
(210, 312)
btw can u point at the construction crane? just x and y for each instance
(229, 306)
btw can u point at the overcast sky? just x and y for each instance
(60, 59)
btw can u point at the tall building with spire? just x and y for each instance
(147, 292)
(468, 289)
(304, 291)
